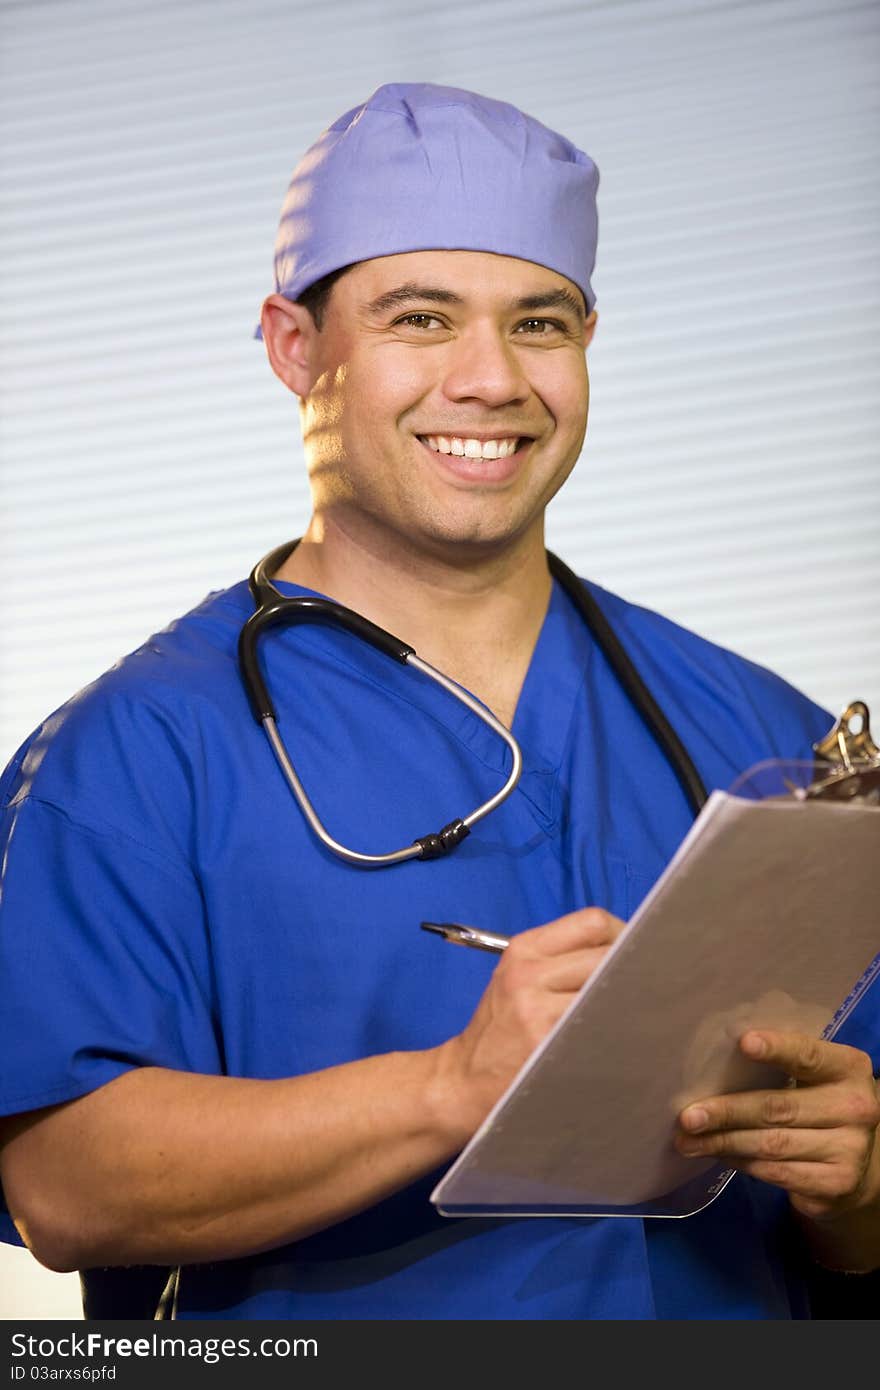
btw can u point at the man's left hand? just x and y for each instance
(818, 1139)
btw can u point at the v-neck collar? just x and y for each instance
(542, 724)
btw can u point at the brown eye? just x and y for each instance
(548, 322)
(418, 320)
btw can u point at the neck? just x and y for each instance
(475, 617)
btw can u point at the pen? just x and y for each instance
(469, 936)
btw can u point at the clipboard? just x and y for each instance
(753, 923)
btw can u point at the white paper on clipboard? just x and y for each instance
(767, 916)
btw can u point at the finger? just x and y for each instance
(567, 973)
(798, 1145)
(808, 1181)
(808, 1107)
(808, 1060)
(589, 926)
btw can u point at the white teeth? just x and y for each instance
(471, 448)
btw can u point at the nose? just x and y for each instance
(483, 365)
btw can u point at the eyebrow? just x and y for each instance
(434, 294)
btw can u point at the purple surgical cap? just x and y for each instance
(419, 167)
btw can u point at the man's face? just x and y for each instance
(423, 350)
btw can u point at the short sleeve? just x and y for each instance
(104, 961)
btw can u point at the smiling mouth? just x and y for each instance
(472, 448)
(475, 467)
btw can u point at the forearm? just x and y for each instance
(165, 1167)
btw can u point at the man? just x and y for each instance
(235, 1052)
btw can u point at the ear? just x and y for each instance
(590, 328)
(290, 336)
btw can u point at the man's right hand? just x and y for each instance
(535, 981)
(168, 1167)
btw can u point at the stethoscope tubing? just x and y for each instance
(632, 684)
(418, 849)
(275, 609)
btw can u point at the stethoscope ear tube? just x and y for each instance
(619, 660)
(274, 609)
(284, 612)
(252, 676)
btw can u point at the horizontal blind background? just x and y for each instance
(730, 474)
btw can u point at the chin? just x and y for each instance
(475, 537)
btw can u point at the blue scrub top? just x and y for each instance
(165, 904)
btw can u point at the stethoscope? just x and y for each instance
(274, 609)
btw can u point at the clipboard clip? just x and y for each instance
(845, 768)
(848, 761)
